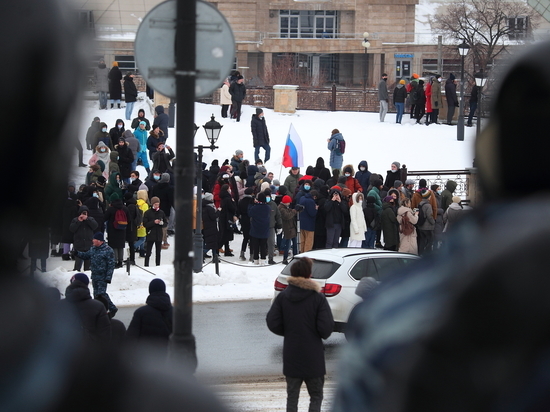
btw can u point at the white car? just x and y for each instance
(338, 271)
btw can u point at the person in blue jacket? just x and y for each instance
(259, 214)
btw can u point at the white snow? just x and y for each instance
(419, 147)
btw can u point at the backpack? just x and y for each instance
(121, 221)
(406, 227)
(421, 215)
(340, 148)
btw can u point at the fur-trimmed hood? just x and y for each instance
(304, 283)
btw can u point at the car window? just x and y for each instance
(387, 267)
(362, 268)
(322, 269)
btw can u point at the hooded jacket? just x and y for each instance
(447, 194)
(83, 230)
(152, 323)
(260, 135)
(130, 90)
(162, 120)
(363, 176)
(358, 225)
(336, 158)
(302, 315)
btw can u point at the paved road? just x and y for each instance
(234, 344)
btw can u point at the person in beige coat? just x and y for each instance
(358, 225)
(407, 243)
(225, 98)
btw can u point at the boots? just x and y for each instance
(146, 263)
(112, 105)
(241, 257)
(257, 262)
(119, 105)
(66, 256)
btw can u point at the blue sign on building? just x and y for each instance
(403, 55)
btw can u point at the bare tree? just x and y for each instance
(487, 26)
(286, 70)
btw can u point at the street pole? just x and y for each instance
(197, 237)
(460, 129)
(182, 341)
(366, 45)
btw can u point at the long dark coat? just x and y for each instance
(302, 315)
(70, 210)
(130, 90)
(133, 212)
(95, 210)
(210, 224)
(125, 160)
(260, 135)
(154, 231)
(116, 237)
(390, 226)
(83, 231)
(152, 323)
(229, 210)
(115, 87)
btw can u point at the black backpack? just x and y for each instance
(421, 215)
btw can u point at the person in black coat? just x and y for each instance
(210, 217)
(134, 220)
(91, 141)
(320, 170)
(152, 323)
(335, 209)
(125, 159)
(162, 120)
(94, 322)
(242, 210)
(302, 315)
(116, 238)
(165, 192)
(83, 227)
(115, 87)
(154, 220)
(141, 118)
(452, 98)
(96, 210)
(116, 133)
(228, 216)
(130, 95)
(420, 105)
(260, 213)
(70, 211)
(238, 93)
(260, 135)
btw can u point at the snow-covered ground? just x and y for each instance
(419, 147)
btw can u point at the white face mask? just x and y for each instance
(347, 174)
(362, 169)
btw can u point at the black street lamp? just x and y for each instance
(463, 49)
(481, 79)
(212, 129)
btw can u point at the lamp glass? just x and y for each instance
(463, 49)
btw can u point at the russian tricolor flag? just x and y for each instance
(294, 155)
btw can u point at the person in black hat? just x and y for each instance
(260, 135)
(238, 93)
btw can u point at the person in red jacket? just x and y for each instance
(351, 182)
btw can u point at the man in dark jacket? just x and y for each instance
(302, 315)
(473, 104)
(238, 93)
(95, 127)
(115, 87)
(452, 99)
(83, 227)
(93, 317)
(101, 74)
(363, 175)
(153, 221)
(260, 135)
(152, 323)
(130, 94)
(162, 120)
(259, 213)
(336, 209)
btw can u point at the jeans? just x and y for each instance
(129, 109)
(285, 246)
(267, 149)
(102, 100)
(370, 236)
(314, 388)
(383, 109)
(400, 108)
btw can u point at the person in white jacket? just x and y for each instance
(358, 225)
(225, 98)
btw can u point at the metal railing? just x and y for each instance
(440, 177)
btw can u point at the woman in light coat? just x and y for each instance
(357, 226)
(407, 243)
(225, 98)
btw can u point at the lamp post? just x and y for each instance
(212, 129)
(463, 49)
(481, 79)
(366, 45)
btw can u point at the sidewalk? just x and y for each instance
(267, 396)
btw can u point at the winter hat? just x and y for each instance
(421, 82)
(286, 200)
(209, 197)
(335, 188)
(415, 76)
(143, 123)
(422, 183)
(248, 191)
(261, 197)
(157, 285)
(224, 169)
(452, 77)
(122, 139)
(397, 184)
(264, 185)
(456, 199)
(347, 169)
(164, 178)
(115, 64)
(72, 184)
(402, 81)
(388, 199)
(283, 190)
(258, 111)
(377, 183)
(154, 200)
(425, 193)
(114, 196)
(81, 277)
(238, 152)
(409, 182)
(397, 164)
(127, 134)
(262, 170)
(266, 180)
(276, 182)
(342, 179)
(159, 143)
(99, 236)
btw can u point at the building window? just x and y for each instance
(308, 24)
(126, 63)
(518, 28)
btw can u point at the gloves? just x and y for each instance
(108, 281)
(73, 253)
(279, 231)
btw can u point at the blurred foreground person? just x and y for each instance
(467, 329)
(47, 365)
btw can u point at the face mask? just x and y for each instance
(359, 201)
(117, 158)
(362, 169)
(156, 177)
(439, 79)
(119, 126)
(132, 179)
(439, 192)
(347, 174)
(267, 199)
(104, 129)
(95, 195)
(307, 187)
(277, 188)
